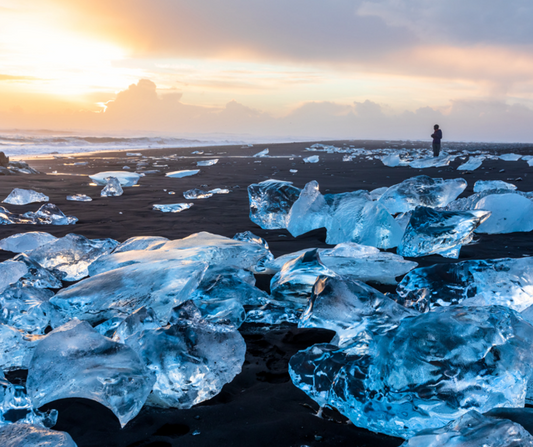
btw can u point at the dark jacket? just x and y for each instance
(437, 136)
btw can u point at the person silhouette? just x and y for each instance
(437, 136)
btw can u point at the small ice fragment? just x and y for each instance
(126, 167)
(220, 191)
(263, 153)
(197, 194)
(24, 196)
(112, 189)
(197, 152)
(79, 198)
(22, 242)
(133, 154)
(293, 171)
(207, 162)
(172, 207)
(125, 178)
(50, 214)
(181, 174)
(312, 159)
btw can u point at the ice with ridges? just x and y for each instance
(309, 212)
(141, 243)
(37, 276)
(24, 196)
(439, 232)
(270, 203)
(359, 262)
(421, 191)
(350, 307)
(22, 242)
(192, 359)
(204, 247)
(16, 348)
(112, 188)
(48, 214)
(430, 370)
(197, 194)
(488, 185)
(76, 361)
(28, 435)
(506, 282)
(510, 213)
(69, 257)
(119, 292)
(11, 272)
(474, 430)
(124, 178)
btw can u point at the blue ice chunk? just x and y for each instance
(124, 178)
(439, 232)
(510, 157)
(76, 361)
(28, 435)
(79, 198)
(11, 272)
(69, 257)
(312, 159)
(181, 174)
(309, 212)
(22, 242)
(24, 196)
(49, 214)
(112, 188)
(472, 164)
(510, 213)
(16, 348)
(270, 203)
(37, 276)
(427, 372)
(432, 162)
(141, 243)
(212, 162)
(421, 191)
(488, 185)
(506, 282)
(172, 207)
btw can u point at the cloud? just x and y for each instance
(4, 77)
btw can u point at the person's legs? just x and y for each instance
(436, 149)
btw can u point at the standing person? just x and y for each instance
(437, 136)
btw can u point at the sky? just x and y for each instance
(382, 69)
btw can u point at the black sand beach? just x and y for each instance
(261, 406)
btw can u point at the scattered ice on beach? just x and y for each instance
(112, 188)
(270, 203)
(263, 153)
(79, 198)
(124, 178)
(421, 190)
(160, 285)
(181, 174)
(192, 359)
(350, 307)
(22, 242)
(359, 262)
(439, 232)
(487, 185)
(312, 159)
(69, 257)
(24, 196)
(472, 164)
(172, 207)
(196, 193)
(510, 157)
(430, 370)
(506, 282)
(76, 361)
(510, 213)
(212, 162)
(473, 430)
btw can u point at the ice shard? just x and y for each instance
(37, 276)
(29, 435)
(112, 188)
(421, 191)
(473, 430)
(197, 194)
(510, 213)
(69, 257)
(24, 196)
(506, 282)
(427, 372)
(181, 174)
(309, 212)
(294, 282)
(141, 243)
(263, 153)
(359, 262)
(350, 307)
(192, 359)
(488, 185)
(207, 162)
(79, 198)
(439, 232)
(172, 207)
(267, 256)
(270, 203)
(76, 361)
(203, 247)
(219, 191)
(117, 293)
(22, 242)
(472, 164)
(124, 178)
